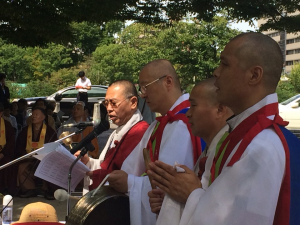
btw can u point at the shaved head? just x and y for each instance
(208, 90)
(161, 67)
(129, 88)
(257, 49)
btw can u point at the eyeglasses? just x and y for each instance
(143, 89)
(113, 102)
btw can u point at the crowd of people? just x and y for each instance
(219, 155)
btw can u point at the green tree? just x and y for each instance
(13, 62)
(39, 22)
(285, 90)
(295, 77)
(45, 61)
(193, 48)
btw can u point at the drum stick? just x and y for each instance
(147, 161)
(100, 185)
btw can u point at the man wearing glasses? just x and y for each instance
(167, 139)
(121, 104)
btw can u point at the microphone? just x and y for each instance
(80, 125)
(103, 126)
(61, 195)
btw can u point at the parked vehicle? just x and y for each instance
(68, 97)
(289, 110)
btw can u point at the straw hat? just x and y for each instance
(38, 213)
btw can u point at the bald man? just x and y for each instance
(208, 120)
(253, 180)
(167, 139)
(121, 103)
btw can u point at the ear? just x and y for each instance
(169, 82)
(134, 102)
(256, 75)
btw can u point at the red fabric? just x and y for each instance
(238, 134)
(201, 167)
(169, 118)
(252, 126)
(115, 157)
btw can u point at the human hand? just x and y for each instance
(156, 197)
(118, 181)
(84, 159)
(178, 185)
(90, 174)
(78, 86)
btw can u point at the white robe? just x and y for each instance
(116, 135)
(176, 145)
(171, 210)
(247, 192)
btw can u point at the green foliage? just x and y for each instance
(285, 90)
(36, 22)
(38, 88)
(193, 48)
(14, 62)
(295, 77)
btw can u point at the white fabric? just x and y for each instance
(116, 135)
(247, 192)
(171, 210)
(176, 145)
(84, 83)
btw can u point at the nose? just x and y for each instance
(216, 72)
(109, 108)
(188, 113)
(143, 95)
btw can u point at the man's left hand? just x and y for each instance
(178, 185)
(118, 181)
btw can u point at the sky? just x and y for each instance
(244, 26)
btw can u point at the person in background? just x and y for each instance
(78, 117)
(4, 93)
(14, 109)
(87, 112)
(22, 112)
(7, 115)
(50, 112)
(33, 137)
(42, 103)
(7, 154)
(83, 84)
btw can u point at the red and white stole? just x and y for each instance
(245, 132)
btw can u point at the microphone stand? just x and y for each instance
(36, 151)
(82, 153)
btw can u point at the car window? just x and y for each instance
(290, 100)
(70, 93)
(97, 92)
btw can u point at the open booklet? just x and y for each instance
(55, 163)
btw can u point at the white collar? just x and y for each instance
(236, 120)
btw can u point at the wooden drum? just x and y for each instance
(107, 207)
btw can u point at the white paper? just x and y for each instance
(54, 167)
(49, 147)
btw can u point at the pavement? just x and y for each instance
(61, 207)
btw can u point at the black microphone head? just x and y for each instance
(102, 126)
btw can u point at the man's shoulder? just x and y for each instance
(138, 128)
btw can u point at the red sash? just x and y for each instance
(155, 140)
(246, 131)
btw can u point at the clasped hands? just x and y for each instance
(177, 185)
